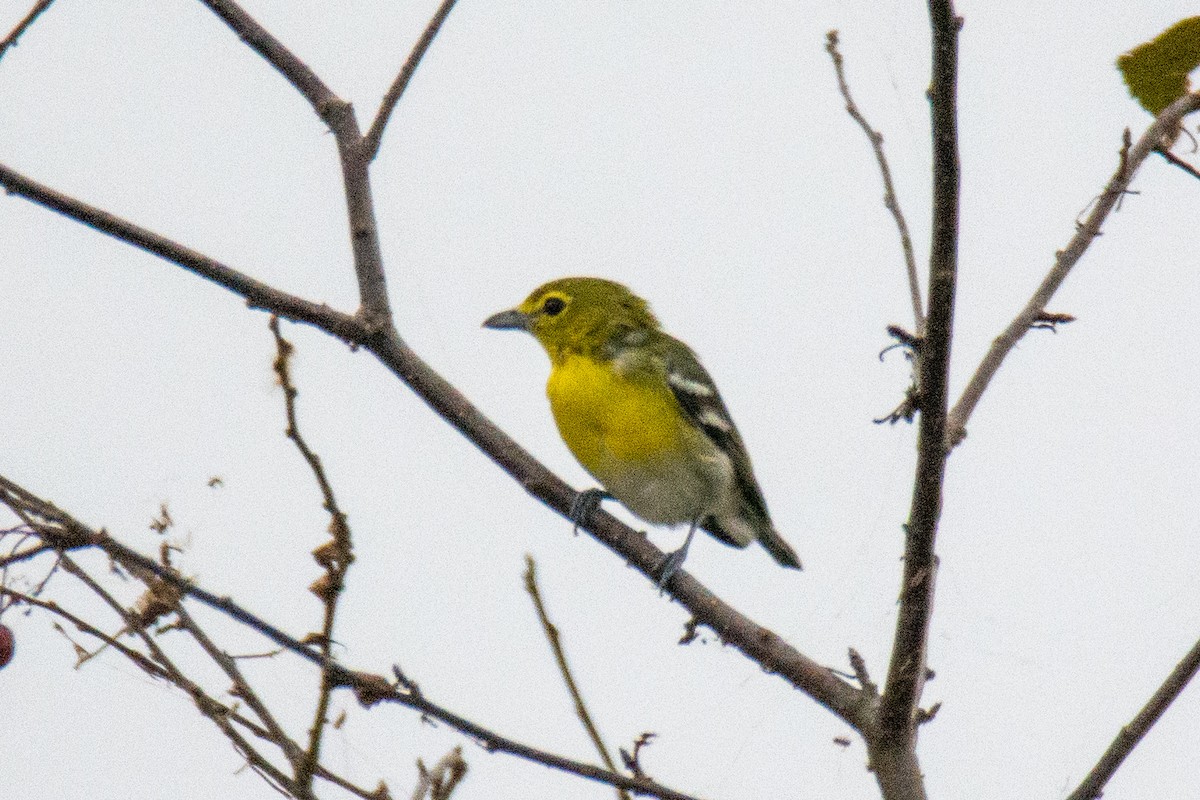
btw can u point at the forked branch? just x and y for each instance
(374, 306)
(1129, 161)
(372, 328)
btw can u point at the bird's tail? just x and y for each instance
(739, 532)
(780, 550)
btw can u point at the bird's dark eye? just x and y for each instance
(553, 305)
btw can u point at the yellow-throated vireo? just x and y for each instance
(642, 415)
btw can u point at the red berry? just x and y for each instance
(7, 645)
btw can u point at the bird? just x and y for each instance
(641, 414)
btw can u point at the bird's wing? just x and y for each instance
(697, 395)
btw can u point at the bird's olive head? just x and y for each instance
(576, 314)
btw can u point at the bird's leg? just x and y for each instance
(674, 561)
(584, 505)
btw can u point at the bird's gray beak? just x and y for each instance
(511, 320)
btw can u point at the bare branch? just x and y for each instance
(759, 644)
(22, 26)
(560, 657)
(1129, 737)
(272, 730)
(890, 202)
(892, 750)
(1131, 159)
(906, 671)
(257, 293)
(139, 659)
(217, 712)
(260, 40)
(374, 135)
(335, 556)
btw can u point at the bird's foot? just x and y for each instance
(584, 505)
(670, 565)
(674, 561)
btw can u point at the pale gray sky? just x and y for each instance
(698, 152)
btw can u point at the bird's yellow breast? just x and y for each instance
(610, 421)
(627, 430)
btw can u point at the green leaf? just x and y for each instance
(1157, 72)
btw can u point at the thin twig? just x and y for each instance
(560, 657)
(890, 201)
(859, 665)
(269, 731)
(1130, 160)
(154, 670)
(272, 730)
(65, 532)
(24, 555)
(374, 135)
(335, 557)
(138, 658)
(1175, 160)
(22, 26)
(1129, 737)
(439, 783)
(209, 707)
